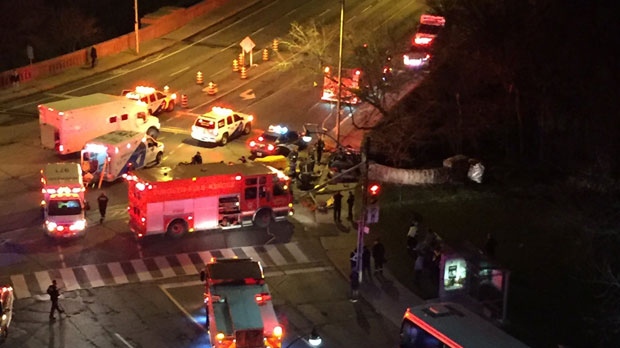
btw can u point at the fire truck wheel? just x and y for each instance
(177, 229)
(153, 132)
(263, 217)
(224, 140)
(170, 106)
(247, 129)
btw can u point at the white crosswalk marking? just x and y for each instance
(93, 276)
(164, 267)
(299, 255)
(44, 278)
(36, 283)
(117, 273)
(252, 254)
(275, 255)
(20, 286)
(141, 271)
(69, 282)
(186, 263)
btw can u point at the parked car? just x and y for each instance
(277, 140)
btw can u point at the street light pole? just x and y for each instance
(361, 225)
(136, 25)
(339, 72)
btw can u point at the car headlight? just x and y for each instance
(51, 226)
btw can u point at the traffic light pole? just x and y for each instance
(361, 225)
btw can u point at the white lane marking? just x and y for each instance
(93, 276)
(20, 286)
(324, 12)
(188, 266)
(228, 253)
(61, 256)
(179, 71)
(68, 279)
(117, 273)
(123, 340)
(299, 255)
(43, 278)
(251, 252)
(141, 271)
(205, 256)
(275, 255)
(164, 266)
(165, 288)
(257, 31)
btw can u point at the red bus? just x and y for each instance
(196, 197)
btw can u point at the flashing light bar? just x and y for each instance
(278, 129)
(144, 90)
(95, 148)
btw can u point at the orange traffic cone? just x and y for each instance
(211, 88)
(199, 79)
(183, 101)
(241, 59)
(265, 54)
(274, 45)
(235, 65)
(244, 74)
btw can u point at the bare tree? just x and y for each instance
(312, 40)
(73, 29)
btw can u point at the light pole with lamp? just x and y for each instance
(338, 101)
(136, 25)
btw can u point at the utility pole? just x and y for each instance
(361, 224)
(136, 25)
(338, 101)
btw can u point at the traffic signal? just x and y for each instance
(373, 193)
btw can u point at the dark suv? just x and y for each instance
(340, 161)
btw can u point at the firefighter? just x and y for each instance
(197, 159)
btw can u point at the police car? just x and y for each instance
(220, 124)
(157, 101)
(6, 309)
(277, 140)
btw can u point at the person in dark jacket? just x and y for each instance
(378, 254)
(197, 159)
(366, 262)
(102, 200)
(337, 205)
(350, 204)
(54, 293)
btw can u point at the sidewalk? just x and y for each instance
(228, 10)
(384, 293)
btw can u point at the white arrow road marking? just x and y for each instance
(248, 94)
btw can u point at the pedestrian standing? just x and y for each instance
(350, 203)
(103, 205)
(15, 80)
(412, 238)
(366, 262)
(320, 146)
(378, 254)
(337, 206)
(93, 56)
(353, 259)
(490, 245)
(355, 285)
(54, 293)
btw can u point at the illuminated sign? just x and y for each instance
(455, 273)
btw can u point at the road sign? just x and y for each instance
(372, 212)
(247, 44)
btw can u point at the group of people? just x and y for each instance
(377, 253)
(337, 197)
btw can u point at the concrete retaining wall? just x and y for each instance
(153, 27)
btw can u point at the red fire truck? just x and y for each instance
(207, 196)
(350, 81)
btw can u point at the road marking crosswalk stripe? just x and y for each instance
(275, 255)
(117, 273)
(93, 276)
(187, 264)
(140, 270)
(164, 267)
(20, 286)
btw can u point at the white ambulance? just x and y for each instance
(67, 125)
(108, 157)
(63, 200)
